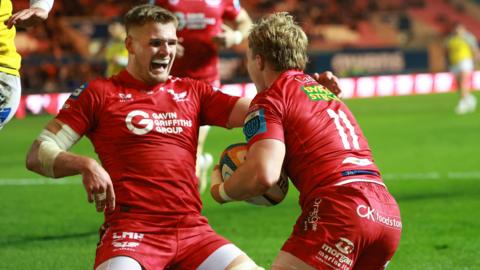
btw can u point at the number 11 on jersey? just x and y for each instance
(338, 119)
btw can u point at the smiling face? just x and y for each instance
(152, 48)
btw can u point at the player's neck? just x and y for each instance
(270, 76)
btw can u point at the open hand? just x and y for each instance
(328, 80)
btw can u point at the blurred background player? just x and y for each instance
(202, 33)
(349, 220)
(116, 54)
(10, 87)
(462, 49)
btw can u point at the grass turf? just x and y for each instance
(428, 155)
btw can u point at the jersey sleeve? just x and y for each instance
(232, 8)
(215, 106)
(264, 120)
(80, 110)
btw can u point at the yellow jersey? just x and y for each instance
(9, 58)
(459, 48)
(116, 55)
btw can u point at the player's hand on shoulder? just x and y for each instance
(330, 81)
(98, 185)
(27, 17)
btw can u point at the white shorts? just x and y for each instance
(10, 93)
(465, 65)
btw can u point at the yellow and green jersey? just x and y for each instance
(460, 48)
(9, 58)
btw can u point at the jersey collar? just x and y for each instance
(126, 78)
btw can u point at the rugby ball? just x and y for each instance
(232, 157)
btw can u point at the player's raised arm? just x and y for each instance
(229, 36)
(49, 156)
(37, 13)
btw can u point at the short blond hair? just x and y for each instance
(142, 14)
(281, 41)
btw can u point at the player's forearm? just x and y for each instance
(260, 171)
(247, 181)
(63, 164)
(67, 164)
(239, 111)
(43, 4)
(48, 155)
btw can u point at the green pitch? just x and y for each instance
(430, 159)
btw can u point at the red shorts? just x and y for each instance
(182, 243)
(354, 226)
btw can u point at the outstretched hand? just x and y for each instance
(330, 81)
(27, 17)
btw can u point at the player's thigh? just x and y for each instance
(288, 261)
(377, 255)
(374, 258)
(228, 257)
(10, 93)
(120, 263)
(243, 262)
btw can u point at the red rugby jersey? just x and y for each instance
(324, 143)
(146, 136)
(199, 21)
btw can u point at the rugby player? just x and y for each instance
(202, 32)
(10, 87)
(349, 220)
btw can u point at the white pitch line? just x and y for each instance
(387, 176)
(38, 181)
(432, 176)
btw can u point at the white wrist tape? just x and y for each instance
(237, 37)
(43, 4)
(223, 194)
(53, 144)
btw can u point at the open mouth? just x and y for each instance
(159, 65)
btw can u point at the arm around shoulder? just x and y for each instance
(238, 113)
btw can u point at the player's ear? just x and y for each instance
(129, 44)
(260, 62)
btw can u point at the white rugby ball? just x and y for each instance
(233, 156)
